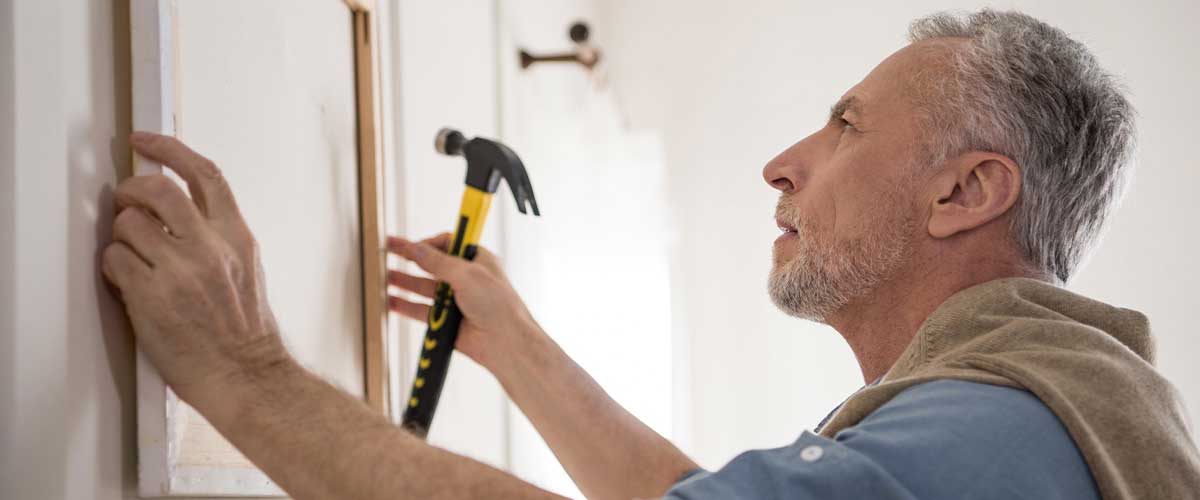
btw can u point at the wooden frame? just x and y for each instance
(155, 93)
(371, 205)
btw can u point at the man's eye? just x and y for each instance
(842, 124)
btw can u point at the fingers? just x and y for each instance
(440, 241)
(162, 197)
(142, 234)
(208, 187)
(489, 260)
(419, 312)
(122, 266)
(424, 287)
(434, 261)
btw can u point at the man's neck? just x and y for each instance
(880, 326)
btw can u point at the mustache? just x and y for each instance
(787, 212)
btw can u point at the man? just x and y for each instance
(928, 221)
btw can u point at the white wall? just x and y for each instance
(731, 84)
(7, 244)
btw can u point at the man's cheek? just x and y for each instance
(823, 216)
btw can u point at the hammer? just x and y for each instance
(487, 163)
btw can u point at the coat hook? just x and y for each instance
(586, 55)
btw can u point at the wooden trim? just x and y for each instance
(152, 43)
(371, 210)
(361, 5)
(153, 31)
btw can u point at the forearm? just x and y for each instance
(607, 451)
(319, 442)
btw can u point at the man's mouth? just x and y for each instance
(784, 226)
(788, 229)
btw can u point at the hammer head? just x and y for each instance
(489, 161)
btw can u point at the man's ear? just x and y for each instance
(972, 190)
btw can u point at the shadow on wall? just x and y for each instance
(95, 185)
(97, 158)
(8, 268)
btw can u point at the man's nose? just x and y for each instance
(787, 170)
(777, 178)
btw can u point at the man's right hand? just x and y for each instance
(495, 319)
(606, 450)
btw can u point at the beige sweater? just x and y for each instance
(1092, 364)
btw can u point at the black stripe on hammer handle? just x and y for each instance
(436, 349)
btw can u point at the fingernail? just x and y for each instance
(138, 137)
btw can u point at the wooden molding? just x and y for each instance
(361, 5)
(371, 210)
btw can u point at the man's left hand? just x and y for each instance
(188, 272)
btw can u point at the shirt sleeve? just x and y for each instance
(943, 439)
(812, 467)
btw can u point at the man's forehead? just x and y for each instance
(909, 68)
(886, 86)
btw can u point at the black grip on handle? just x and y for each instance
(434, 362)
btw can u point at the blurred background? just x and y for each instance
(649, 265)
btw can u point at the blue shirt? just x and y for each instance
(945, 439)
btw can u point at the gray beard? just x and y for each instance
(822, 277)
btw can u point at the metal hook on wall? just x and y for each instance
(586, 55)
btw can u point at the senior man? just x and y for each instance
(930, 221)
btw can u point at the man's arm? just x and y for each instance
(317, 441)
(188, 273)
(606, 450)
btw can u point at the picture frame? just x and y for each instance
(155, 101)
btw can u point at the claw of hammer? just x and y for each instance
(488, 162)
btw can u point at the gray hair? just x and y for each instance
(1023, 88)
